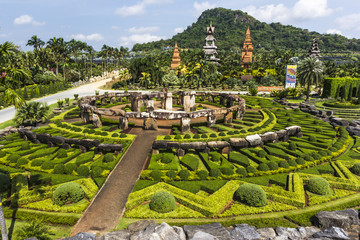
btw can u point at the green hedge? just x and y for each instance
(190, 161)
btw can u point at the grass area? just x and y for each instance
(14, 225)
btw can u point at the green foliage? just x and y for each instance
(2, 154)
(227, 171)
(68, 193)
(187, 136)
(300, 161)
(184, 174)
(273, 166)
(84, 158)
(215, 172)
(21, 161)
(167, 158)
(13, 157)
(4, 182)
(96, 171)
(284, 164)
(292, 146)
(239, 158)
(190, 161)
(251, 194)
(356, 169)
(32, 113)
(25, 146)
(251, 169)
(263, 167)
(70, 167)
(156, 175)
(215, 156)
(241, 171)
(59, 169)
(171, 174)
(61, 153)
(108, 157)
(203, 174)
(47, 165)
(83, 171)
(34, 229)
(162, 202)
(318, 185)
(167, 137)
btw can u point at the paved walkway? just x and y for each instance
(108, 206)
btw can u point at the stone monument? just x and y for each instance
(210, 48)
(314, 50)
(176, 61)
(247, 51)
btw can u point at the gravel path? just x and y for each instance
(106, 209)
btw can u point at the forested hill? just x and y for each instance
(230, 28)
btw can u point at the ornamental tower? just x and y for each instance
(176, 61)
(210, 48)
(314, 50)
(247, 51)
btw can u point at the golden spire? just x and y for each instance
(176, 58)
(247, 50)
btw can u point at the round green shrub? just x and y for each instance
(215, 157)
(251, 194)
(283, 164)
(204, 136)
(323, 153)
(2, 154)
(25, 146)
(178, 136)
(332, 149)
(290, 119)
(308, 158)
(108, 157)
(4, 182)
(47, 165)
(123, 135)
(263, 167)
(261, 153)
(227, 171)
(292, 163)
(166, 158)
(61, 153)
(171, 174)
(203, 174)
(318, 185)
(37, 162)
(68, 193)
(21, 162)
(162, 202)
(115, 135)
(300, 161)
(70, 167)
(312, 138)
(167, 137)
(59, 169)
(292, 146)
(251, 130)
(184, 174)
(241, 171)
(213, 135)
(273, 165)
(187, 136)
(251, 169)
(196, 136)
(96, 171)
(355, 169)
(243, 131)
(222, 134)
(156, 175)
(215, 172)
(316, 156)
(83, 171)
(230, 133)
(13, 157)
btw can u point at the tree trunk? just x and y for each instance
(2, 223)
(308, 93)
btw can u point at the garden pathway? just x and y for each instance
(106, 209)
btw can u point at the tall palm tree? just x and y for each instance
(310, 72)
(36, 42)
(59, 48)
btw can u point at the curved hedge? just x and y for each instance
(251, 194)
(162, 202)
(68, 193)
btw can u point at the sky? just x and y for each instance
(123, 22)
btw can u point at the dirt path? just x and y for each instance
(106, 209)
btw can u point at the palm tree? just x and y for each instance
(32, 113)
(36, 42)
(58, 47)
(310, 72)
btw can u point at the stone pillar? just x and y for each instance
(192, 101)
(93, 102)
(136, 104)
(150, 124)
(85, 116)
(186, 103)
(168, 101)
(150, 103)
(211, 120)
(230, 102)
(112, 100)
(123, 123)
(96, 120)
(210, 99)
(103, 101)
(228, 117)
(239, 115)
(180, 152)
(222, 100)
(185, 124)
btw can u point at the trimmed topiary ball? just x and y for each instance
(25, 146)
(251, 169)
(70, 167)
(68, 193)
(96, 171)
(13, 157)
(187, 136)
(166, 158)
(59, 169)
(355, 169)
(222, 134)
(171, 174)
(213, 135)
(241, 171)
(21, 161)
(292, 163)
(312, 138)
(109, 157)
(263, 167)
(184, 174)
(300, 161)
(215, 172)
(203, 174)
(196, 136)
(227, 171)
(283, 164)
(318, 185)
(308, 158)
(273, 165)
(61, 153)
(156, 175)
(251, 194)
(162, 202)
(261, 153)
(178, 136)
(83, 171)
(167, 137)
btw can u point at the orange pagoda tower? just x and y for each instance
(176, 61)
(247, 51)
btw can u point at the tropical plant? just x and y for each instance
(60, 103)
(32, 113)
(34, 229)
(310, 72)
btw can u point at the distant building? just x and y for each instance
(247, 51)
(210, 48)
(314, 50)
(176, 61)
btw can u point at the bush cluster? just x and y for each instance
(318, 185)
(68, 193)
(162, 202)
(355, 169)
(108, 157)
(251, 194)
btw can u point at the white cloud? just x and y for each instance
(137, 9)
(301, 11)
(143, 29)
(349, 22)
(200, 7)
(91, 37)
(139, 38)
(333, 31)
(178, 30)
(115, 27)
(26, 19)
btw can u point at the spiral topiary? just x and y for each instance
(162, 202)
(318, 185)
(251, 194)
(68, 193)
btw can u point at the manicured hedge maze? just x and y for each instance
(282, 170)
